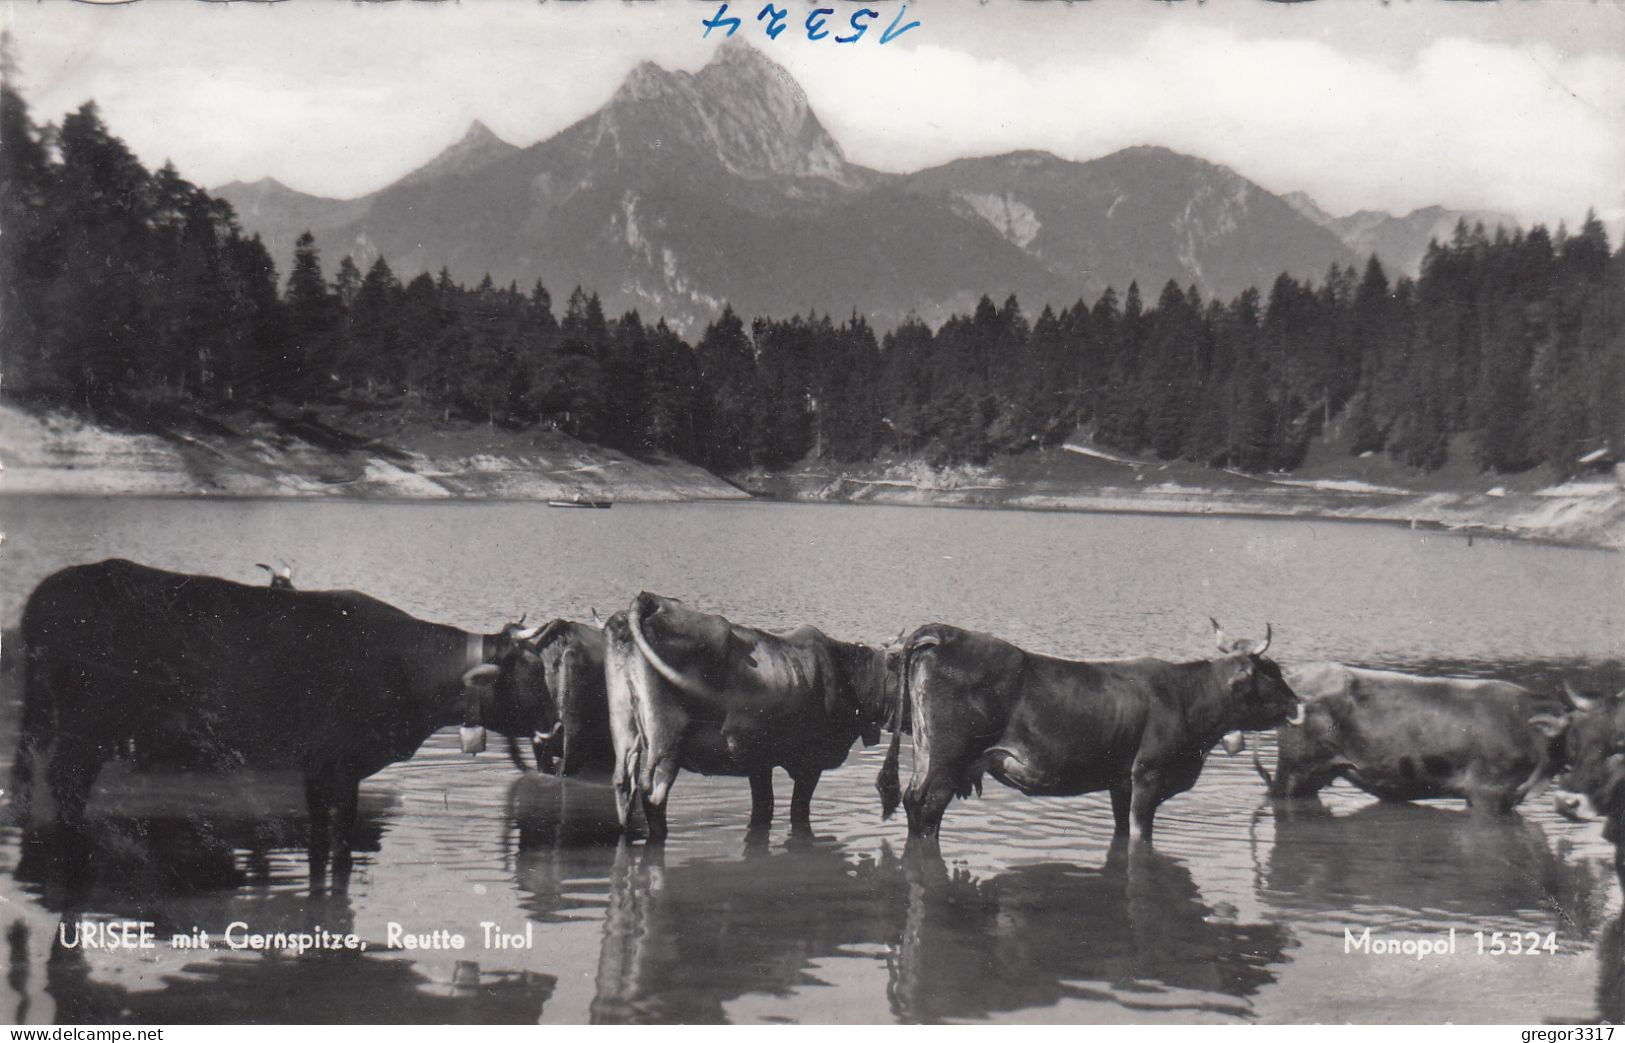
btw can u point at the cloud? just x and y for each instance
(1406, 107)
(1466, 123)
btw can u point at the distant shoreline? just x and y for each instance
(1458, 524)
(56, 456)
(1218, 505)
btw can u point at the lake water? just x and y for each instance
(1028, 913)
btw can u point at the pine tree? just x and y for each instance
(30, 342)
(727, 367)
(311, 325)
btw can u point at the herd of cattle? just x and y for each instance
(123, 660)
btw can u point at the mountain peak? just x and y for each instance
(478, 132)
(263, 185)
(738, 51)
(646, 80)
(742, 110)
(478, 147)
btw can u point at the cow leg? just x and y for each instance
(654, 817)
(926, 806)
(806, 781)
(1121, 794)
(761, 798)
(942, 763)
(70, 772)
(346, 798)
(1143, 803)
(318, 843)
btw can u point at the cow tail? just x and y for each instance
(514, 755)
(905, 715)
(1263, 772)
(891, 790)
(887, 782)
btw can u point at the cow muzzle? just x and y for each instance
(1234, 742)
(548, 748)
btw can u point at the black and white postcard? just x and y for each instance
(812, 511)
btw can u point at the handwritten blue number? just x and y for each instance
(719, 21)
(892, 32)
(858, 28)
(816, 23)
(775, 17)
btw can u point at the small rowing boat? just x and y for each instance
(580, 500)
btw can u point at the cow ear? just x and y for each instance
(1549, 725)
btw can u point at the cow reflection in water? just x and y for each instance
(682, 941)
(1419, 857)
(138, 848)
(1134, 932)
(562, 831)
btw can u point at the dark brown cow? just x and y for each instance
(693, 690)
(335, 684)
(1060, 727)
(1402, 737)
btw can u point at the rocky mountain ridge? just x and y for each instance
(690, 190)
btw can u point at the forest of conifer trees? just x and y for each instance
(122, 288)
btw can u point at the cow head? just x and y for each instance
(872, 688)
(281, 577)
(1259, 696)
(506, 693)
(1592, 733)
(572, 707)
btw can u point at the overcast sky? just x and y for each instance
(1517, 106)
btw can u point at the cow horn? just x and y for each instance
(1218, 635)
(1269, 633)
(1578, 699)
(634, 623)
(526, 635)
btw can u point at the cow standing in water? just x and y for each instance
(1401, 737)
(574, 703)
(693, 691)
(1593, 733)
(1051, 727)
(335, 684)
